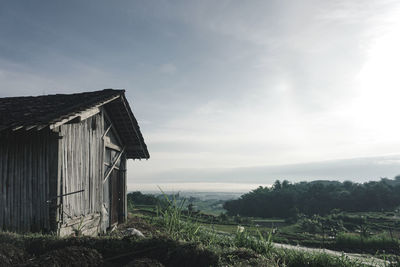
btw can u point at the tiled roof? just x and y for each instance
(40, 112)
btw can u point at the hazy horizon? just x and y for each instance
(228, 94)
(245, 179)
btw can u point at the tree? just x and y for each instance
(222, 217)
(285, 200)
(137, 198)
(190, 208)
(277, 185)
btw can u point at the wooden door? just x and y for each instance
(114, 197)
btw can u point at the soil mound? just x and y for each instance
(144, 262)
(167, 251)
(244, 257)
(70, 256)
(191, 255)
(11, 255)
(242, 254)
(144, 227)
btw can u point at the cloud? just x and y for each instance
(260, 83)
(202, 187)
(356, 169)
(168, 68)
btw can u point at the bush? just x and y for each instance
(292, 258)
(372, 243)
(137, 198)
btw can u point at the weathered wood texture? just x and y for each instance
(28, 167)
(124, 190)
(81, 168)
(87, 225)
(38, 167)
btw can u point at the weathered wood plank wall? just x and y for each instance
(81, 167)
(28, 166)
(36, 167)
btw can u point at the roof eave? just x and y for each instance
(142, 145)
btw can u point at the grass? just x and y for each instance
(268, 221)
(354, 241)
(221, 231)
(178, 238)
(185, 243)
(381, 230)
(35, 250)
(232, 228)
(240, 241)
(296, 258)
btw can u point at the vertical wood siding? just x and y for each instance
(81, 167)
(28, 167)
(39, 166)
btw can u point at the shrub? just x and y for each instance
(372, 243)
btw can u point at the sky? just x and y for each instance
(229, 95)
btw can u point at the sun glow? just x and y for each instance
(376, 106)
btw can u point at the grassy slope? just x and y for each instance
(192, 231)
(173, 239)
(169, 240)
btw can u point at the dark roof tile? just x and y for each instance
(38, 112)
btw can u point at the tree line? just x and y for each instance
(285, 199)
(162, 200)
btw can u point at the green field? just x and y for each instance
(366, 233)
(215, 232)
(361, 232)
(177, 236)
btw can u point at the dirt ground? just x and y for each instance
(156, 249)
(138, 223)
(11, 255)
(144, 262)
(69, 256)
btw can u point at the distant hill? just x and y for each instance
(285, 199)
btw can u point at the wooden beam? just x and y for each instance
(87, 114)
(84, 113)
(111, 145)
(27, 128)
(108, 129)
(59, 123)
(113, 166)
(113, 129)
(40, 127)
(17, 128)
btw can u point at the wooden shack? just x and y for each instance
(63, 161)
